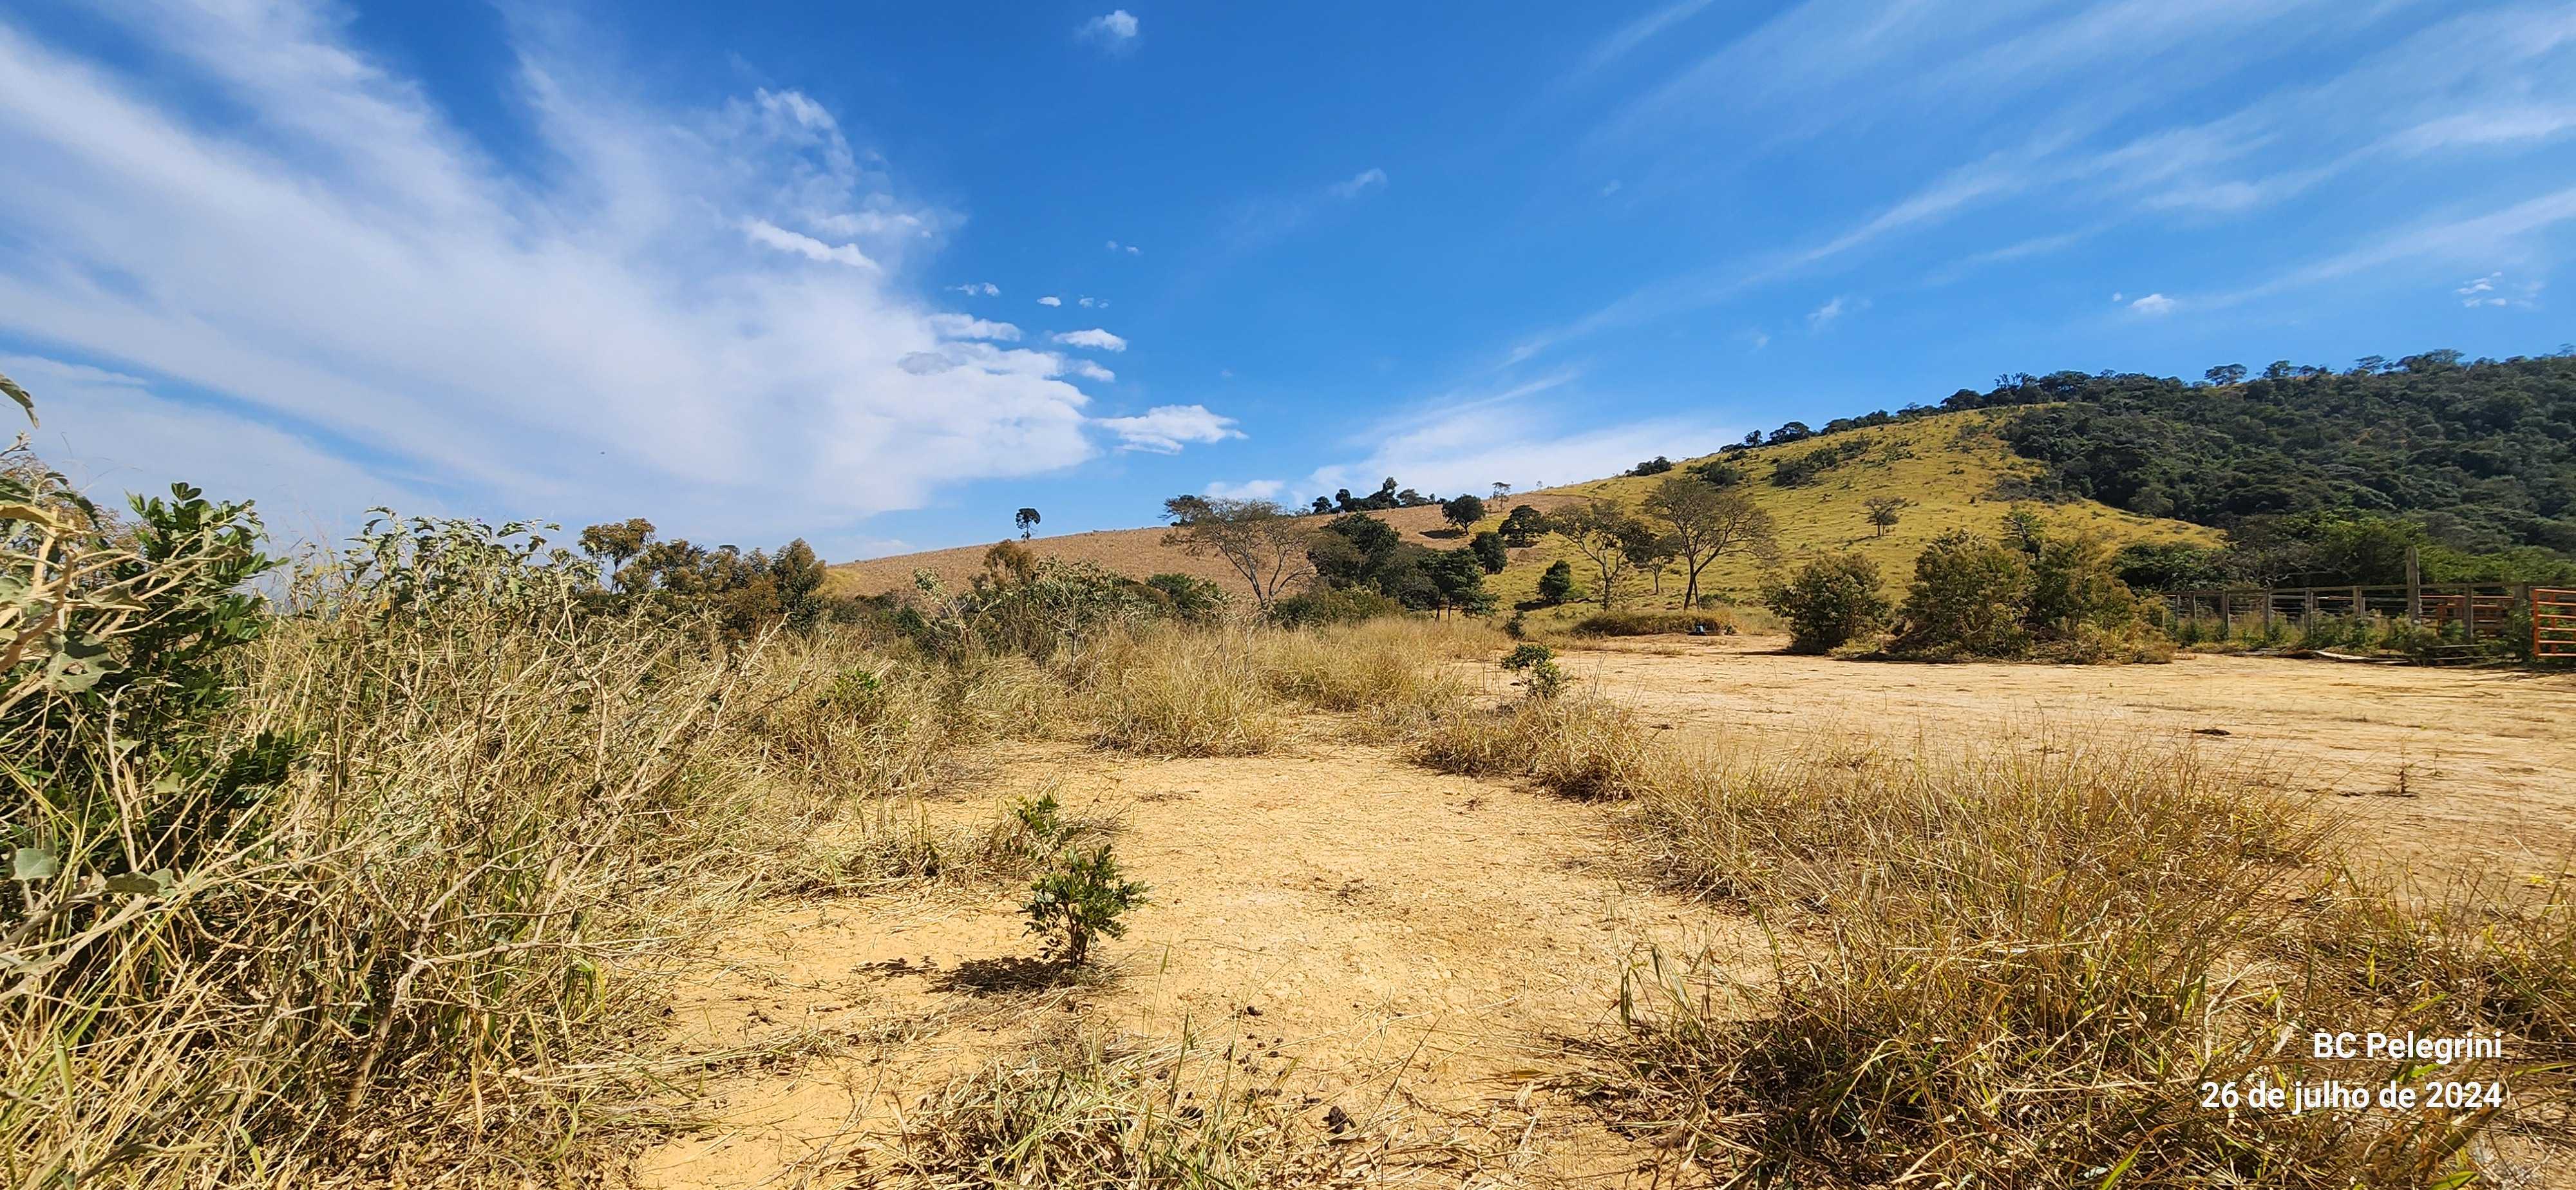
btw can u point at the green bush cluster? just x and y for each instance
(1831, 602)
(2058, 596)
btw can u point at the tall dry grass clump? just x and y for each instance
(1083, 1110)
(371, 881)
(1167, 691)
(2019, 964)
(1578, 745)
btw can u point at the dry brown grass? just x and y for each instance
(2016, 964)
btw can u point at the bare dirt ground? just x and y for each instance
(2448, 767)
(1408, 947)
(1412, 943)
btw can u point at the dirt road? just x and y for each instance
(1411, 942)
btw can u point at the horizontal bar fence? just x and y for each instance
(2476, 613)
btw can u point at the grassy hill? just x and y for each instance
(1947, 464)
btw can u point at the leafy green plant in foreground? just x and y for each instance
(1079, 898)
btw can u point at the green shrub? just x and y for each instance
(1193, 599)
(1333, 605)
(1545, 679)
(1556, 584)
(1969, 597)
(1654, 623)
(1830, 602)
(1081, 897)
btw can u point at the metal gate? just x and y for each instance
(2553, 622)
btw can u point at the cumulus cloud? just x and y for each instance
(1050, 300)
(1250, 489)
(2153, 305)
(1115, 29)
(1089, 371)
(1163, 429)
(1360, 183)
(1095, 339)
(679, 318)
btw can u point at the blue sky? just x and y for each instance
(879, 274)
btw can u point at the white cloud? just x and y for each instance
(974, 288)
(110, 433)
(1050, 300)
(1360, 183)
(763, 231)
(1115, 29)
(1827, 314)
(1759, 339)
(2153, 305)
(1465, 444)
(967, 326)
(2494, 292)
(1095, 338)
(1164, 428)
(1129, 249)
(1611, 188)
(2117, 297)
(642, 329)
(1089, 371)
(1250, 489)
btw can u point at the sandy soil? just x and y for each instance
(1412, 942)
(2450, 767)
(1409, 947)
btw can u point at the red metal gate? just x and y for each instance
(2553, 622)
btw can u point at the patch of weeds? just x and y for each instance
(1081, 897)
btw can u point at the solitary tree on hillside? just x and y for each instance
(2225, 374)
(1026, 519)
(1462, 511)
(1500, 490)
(1883, 511)
(1525, 524)
(1604, 533)
(1707, 522)
(1260, 540)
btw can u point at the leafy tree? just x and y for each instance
(1501, 490)
(1718, 473)
(1706, 523)
(2225, 374)
(1025, 519)
(2074, 581)
(1462, 511)
(1604, 533)
(1654, 466)
(1257, 538)
(1884, 511)
(617, 542)
(1525, 525)
(1324, 504)
(1556, 583)
(1490, 551)
(1458, 578)
(1829, 602)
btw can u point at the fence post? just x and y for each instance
(2308, 613)
(2414, 588)
(2359, 608)
(2469, 611)
(2267, 613)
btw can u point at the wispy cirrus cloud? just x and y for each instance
(697, 314)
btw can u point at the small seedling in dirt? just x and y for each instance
(1079, 897)
(1539, 662)
(1038, 816)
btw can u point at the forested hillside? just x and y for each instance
(2481, 456)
